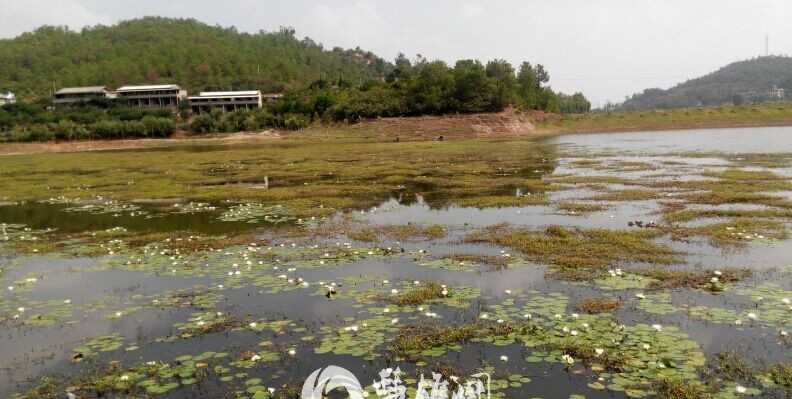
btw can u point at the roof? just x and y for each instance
(223, 94)
(229, 93)
(149, 88)
(82, 90)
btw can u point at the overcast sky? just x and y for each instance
(606, 48)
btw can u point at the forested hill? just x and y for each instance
(740, 82)
(184, 51)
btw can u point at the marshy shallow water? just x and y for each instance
(598, 266)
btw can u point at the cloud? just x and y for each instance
(606, 49)
(20, 16)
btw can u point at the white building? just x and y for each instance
(7, 98)
(777, 93)
(151, 96)
(228, 101)
(74, 95)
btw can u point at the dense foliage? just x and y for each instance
(319, 85)
(433, 88)
(738, 83)
(34, 122)
(184, 51)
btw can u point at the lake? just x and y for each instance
(596, 266)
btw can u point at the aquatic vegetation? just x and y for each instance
(258, 213)
(398, 232)
(475, 262)
(573, 249)
(735, 233)
(710, 280)
(246, 285)
(91, 347)
(598, 305)
(626, 195)
(358, 338)
(430, 340)
(580, 208)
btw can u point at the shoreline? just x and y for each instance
(539, 132)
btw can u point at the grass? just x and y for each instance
(580, 254)
(306, 174)
(413, 340)
(494, 262)
(781, 374)
(686, 215)
(671, 279)
(685, 118)
(579, 207)
(732, 367)
(678, 389)
(419, 295)
(626, 195)
(734, 233)
(398, 232)
(598, 305)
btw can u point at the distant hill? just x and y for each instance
(184, 51)
(741, 82)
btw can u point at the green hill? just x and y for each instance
(741, 82)
(184, 51)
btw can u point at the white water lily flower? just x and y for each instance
(394, 321)
(714, 280)
(528, 316)
(752, 316)
(575, 315)
(386, 282)
(484, 316)
(646, 347)
(394, 291)
(784, 333)
(444, 292)
(504, 358)
(738, 322)
(500, 321)
(640, 296)
(10, 288)
(255, 358)
(585, 325)
(786, 301)
(21, 310)
(124, 377)
(718, 273)
(416, 282)
(420, 308)
(599, 351)
(386, 310)
(292, 352)
(557, 316)
(271, 390)
(253, 324)
(568, 359)
(67, 301)
(118, 314)
(508, 292)
(574, 332)
(740, 389)
(657, 327)
(565, 329)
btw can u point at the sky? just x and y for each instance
(607, 49)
